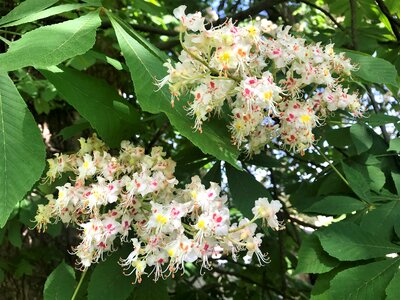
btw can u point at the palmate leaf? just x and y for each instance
(26, 8)
(51, 45)
(145, 66)
(22, 151)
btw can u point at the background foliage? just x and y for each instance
(70, 68)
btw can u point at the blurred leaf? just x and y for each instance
(21, 142)
(361, 138)
(108, 281)
(365, 282)
(60, 284)
(148, 289)
(381, 119)
(312, 258)
(25, 9)
(336, 205)
(51, 45)
(74, 129)
(382, 219)
(348, 242)
(14, 233)
(24, 267)
(46, 13)
(112, 116)
(394, 145)
(245, 190)
(146, 66)
(393, 288)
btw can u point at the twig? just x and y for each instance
(393, 22)
(324, 11)
(154, 30)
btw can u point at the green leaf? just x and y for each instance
(381, 119)
(336, 205)
(393, 288)
(394, 145)
(108, 281)
(358, 182)
(377, 177)
(99, 103)
(382, 219)
(148, 289)
(145, 67)
(361, 138)
(26, 8)
(74, 129)
(20, 142)
(46, 13)
(245, 190)
(14, 233)
(348, 242)
(396, 180)
(313, 259)
(365, 282)
(51, 45)
(373, 69)
(60, 284)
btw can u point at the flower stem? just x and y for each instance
(243, 226)
(79, 285)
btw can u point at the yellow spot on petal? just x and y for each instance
(85, 165)
(201, 224)
(171, 252)
(305, 118)
(161, 219)
(267, 95)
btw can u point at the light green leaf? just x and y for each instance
(365, 282)
(60, 284)
(46, 13)
(20, 142)
(348, 242)
(146, 66)
(336, 205)
(393, 288)
(51, 45)
(373, 69)
(245, 190)
(108, 281)
(382, 219)
(358, 182)
(394, 145)
(362, 139)
(99, 103)
(313, 259)
(26, 8)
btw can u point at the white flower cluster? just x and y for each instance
(134, 197)
(274, 83)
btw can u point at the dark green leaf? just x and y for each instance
(148, 289)
(60, 284)
(393, 288)
(21, 142)
(358, 182)
(99, 103)
(336, 205)
(381, 119)
(245, 190)
(313, 259)
(394, 145)
(348, 242)
(361, 138)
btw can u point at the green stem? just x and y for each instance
(79, 285)
(243, 226)
(333, 167)
(10, 32)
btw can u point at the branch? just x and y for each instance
(353, 10)
(155, 30)
(324, 11)
(393, 22)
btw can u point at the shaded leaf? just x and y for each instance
(361, 138)
(394, 145)
(393, 288)
(336, 205)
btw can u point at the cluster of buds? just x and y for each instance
(274, 83)
(134, 197)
